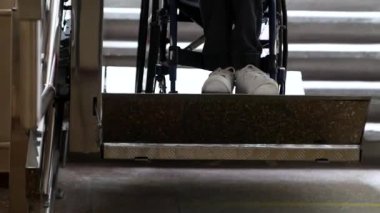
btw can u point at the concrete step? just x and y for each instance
(334, 27)
(320, 5)
(316, 61)
(339, 62)
(304, 26)
(334, 5)
(123, 24)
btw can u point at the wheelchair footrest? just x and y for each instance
(133, 151)
(233, 119)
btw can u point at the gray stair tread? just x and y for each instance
(335, 5)
(233, 119)
(371, 145)
(296, 51)
(317, 62)
(323, 5)
(304, 26)
(296, 16)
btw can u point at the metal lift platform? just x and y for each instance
(233, 127)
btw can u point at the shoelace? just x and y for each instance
(224, 71)
(256, 70)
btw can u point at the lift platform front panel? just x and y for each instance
(233, 119)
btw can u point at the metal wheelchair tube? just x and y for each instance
(51, 152)
(173, 45)
(272, 38)
(53, 29)
(47, 98)
(141, 51)
(50, 58)
(48, 141)
(153, 47)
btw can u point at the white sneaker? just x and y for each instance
(251, 80)
(220, 81)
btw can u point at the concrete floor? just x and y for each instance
(211, 188)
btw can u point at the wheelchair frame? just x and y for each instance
(159, 63)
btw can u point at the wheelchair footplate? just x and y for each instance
(233, 127)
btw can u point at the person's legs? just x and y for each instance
(245, 45)
(217, 25)
(246, 49)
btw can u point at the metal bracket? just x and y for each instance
(97, 114)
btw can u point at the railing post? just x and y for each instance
(5, 83)
(26, 92)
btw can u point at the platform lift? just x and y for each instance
(222, 127)
(60, 101)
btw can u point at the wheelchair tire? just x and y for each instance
(142, 43)
(282, 54)
(284, 33)
(154, 45)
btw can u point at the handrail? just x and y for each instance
(50, 51)
(47, 98)
(50, 48)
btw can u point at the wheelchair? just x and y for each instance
(159, 60)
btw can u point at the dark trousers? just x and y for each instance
(232, 29)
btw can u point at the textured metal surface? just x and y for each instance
(232, 152)
(233, 119)
(374, 107)
(33, 185)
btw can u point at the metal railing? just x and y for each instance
(39, 45)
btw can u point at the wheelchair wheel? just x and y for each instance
(151, 30)
(282, 46)
(278, 46)
(282, 37)
(154, 42)
(284, 15)
(141, 49)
